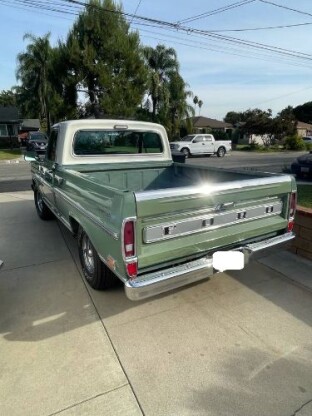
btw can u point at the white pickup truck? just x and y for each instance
(205, 144)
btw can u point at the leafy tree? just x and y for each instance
(64, 81)
(33, 72)
(260, 123)
(106, 60)
(162, 63)
(304, 112)
(234, 117)
(284, 124)
(7, 98)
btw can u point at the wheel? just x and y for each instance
(186, 152)
(42, 210)
(98, 276)
(221, 152)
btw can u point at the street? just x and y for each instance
(16, 176)
(267, 162)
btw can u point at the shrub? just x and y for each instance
(220, 135)
(9, 143)
(294, 143)
(308, 147)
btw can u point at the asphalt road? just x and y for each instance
(266, 162)
(16, 176)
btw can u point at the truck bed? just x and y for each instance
(161, 178)
(198, 207)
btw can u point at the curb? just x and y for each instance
(12, 161)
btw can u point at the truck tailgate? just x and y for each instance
(181, 223)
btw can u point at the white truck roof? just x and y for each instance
(67, 129)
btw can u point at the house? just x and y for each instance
(9, 124)
(27, 125)
(204, 125)
(304, 129)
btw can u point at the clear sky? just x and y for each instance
(226, 74)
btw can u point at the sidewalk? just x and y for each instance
(56, 356)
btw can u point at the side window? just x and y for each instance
(208, 138)
(51, 150)
(199, 139)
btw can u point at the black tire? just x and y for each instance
(186, 152)
(42, 210)
(97, 275)
(221, 152)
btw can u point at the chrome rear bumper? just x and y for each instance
(154, 283)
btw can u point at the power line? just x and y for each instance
(135, 11)
(227, 50)
(172, 26)
(285, 7)
(257, 45)
(216, 11)
(260, 28)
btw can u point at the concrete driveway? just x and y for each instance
(239, 344)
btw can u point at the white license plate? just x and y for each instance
(305, 170)
(228, 260)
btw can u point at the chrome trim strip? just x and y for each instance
(154, 283)
(214, 221)
(86, 213)
(43, 181)
(65, 222)
(210, 188)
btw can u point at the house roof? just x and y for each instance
(302, 125)
(30, 123)
(209, 122)
(8, 114)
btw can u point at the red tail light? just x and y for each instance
(128, 240)
(132, 269)
(129, 251)
(292, 211)
(292, 204)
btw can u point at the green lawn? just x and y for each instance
(10, 154)
(305, 195)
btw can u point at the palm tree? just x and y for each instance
(200, 104)
(179, 109)
(195, 100)
(162, 63)
(33, 72)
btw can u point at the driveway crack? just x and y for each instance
(86, 400)
(301, 407)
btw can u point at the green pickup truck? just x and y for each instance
(152, 223)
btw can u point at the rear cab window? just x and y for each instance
(110, 142)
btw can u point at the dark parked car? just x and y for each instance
(302, 167)
(307, 139)
(37, 142)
